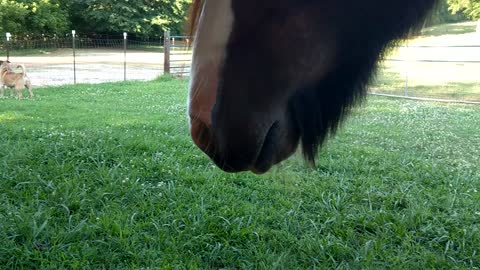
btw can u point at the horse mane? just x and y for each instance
(195, 10)
(321, 106)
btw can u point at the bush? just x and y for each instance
(12, 17)
(442, 15)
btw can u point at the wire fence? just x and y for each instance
(77, 59)
(445, 72)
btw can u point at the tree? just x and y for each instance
(138, 17)
(12, 17)
(33, 16)
(471, 8)
(47, 16)
(442, 14)
(143, 17)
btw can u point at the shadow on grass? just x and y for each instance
(449, 29)
(28, 52)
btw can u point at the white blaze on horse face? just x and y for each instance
(213, 32)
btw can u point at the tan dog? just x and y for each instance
(11, 79)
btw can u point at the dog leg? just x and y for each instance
(2, 91)
(19, 91)
(11, 92)
(28, 85)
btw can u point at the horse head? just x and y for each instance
(268, 75)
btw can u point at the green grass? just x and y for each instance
(106, 177)
(27, 52)
(393, 83)
(449, 29)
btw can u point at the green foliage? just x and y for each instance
(144, 18)
(139, 17)
(35, 16)
(442, 14)
(47, 16)
(12, 16)
(471, 8)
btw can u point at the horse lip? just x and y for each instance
(264, 160)
(260, 164)
(222, 164)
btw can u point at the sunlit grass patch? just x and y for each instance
(424, 82)
(450, 29)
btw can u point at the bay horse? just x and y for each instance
(268, 75)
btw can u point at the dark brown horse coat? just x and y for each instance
(280, 72)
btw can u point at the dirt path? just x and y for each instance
(95, 66)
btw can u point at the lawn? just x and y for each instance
(106, 177)
(27, 52)
(392, 80)
(450, 29)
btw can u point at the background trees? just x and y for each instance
(144, 17)
(34, 16)
(141, 17)
(12, 16)
(444, 14)
(470, 8)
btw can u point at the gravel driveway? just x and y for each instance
(96, 66)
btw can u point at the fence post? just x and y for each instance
(74, 60)
(167, 48)
(8, 46)
(124, 56)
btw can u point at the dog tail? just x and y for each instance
(24, 70)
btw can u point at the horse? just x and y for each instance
(270, 75)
